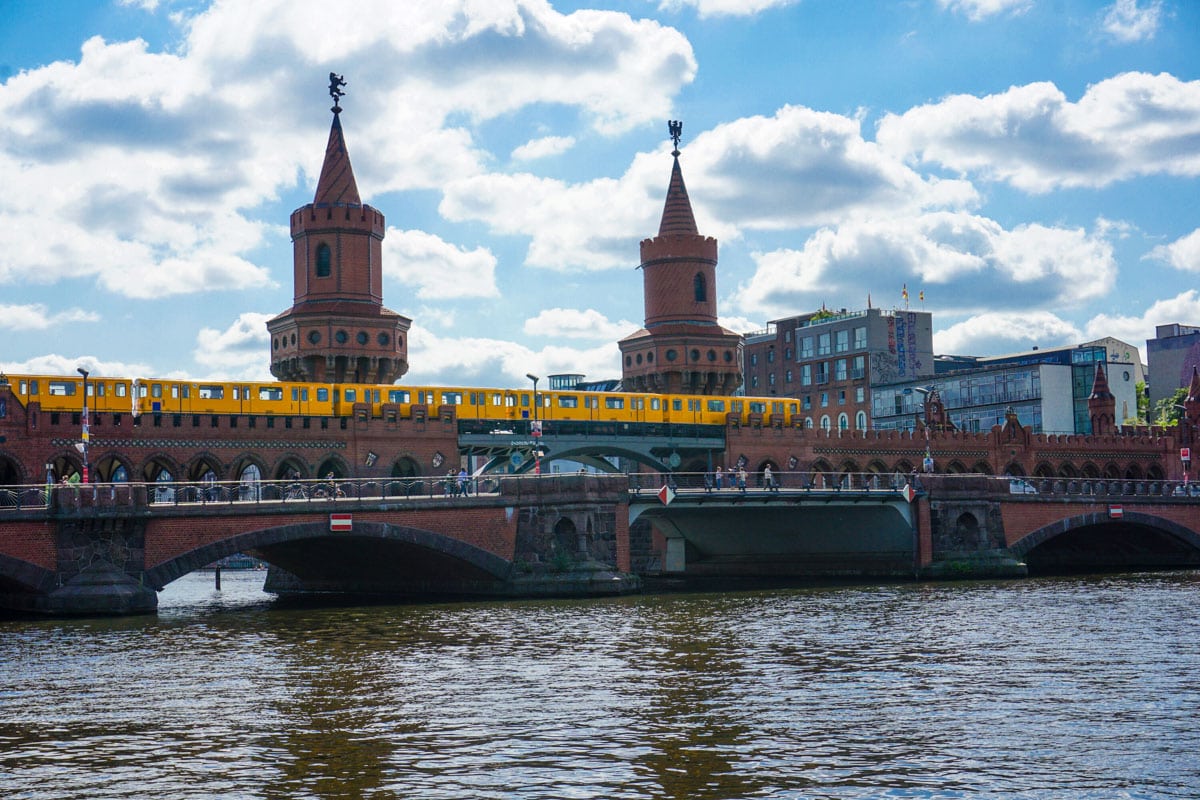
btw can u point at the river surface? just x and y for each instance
(1055, 688)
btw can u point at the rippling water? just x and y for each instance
(1079, 688)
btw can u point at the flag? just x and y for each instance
(904, 292)
(921, 295)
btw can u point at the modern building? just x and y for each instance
(1172, 354)
(831, 359)
(1048, 389)
(681, 349)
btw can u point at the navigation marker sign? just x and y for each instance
(666, 494)
(909, 492)
(341, 522)
(1115, 512)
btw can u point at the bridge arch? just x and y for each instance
(23, 577)
(1095, 540)
(11, 472)
(312, 552)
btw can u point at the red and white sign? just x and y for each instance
(909, 492)
(666, 494)
(1115, 512)
(1185, 454)
(341, 522)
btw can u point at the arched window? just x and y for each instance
(324, 260)
(824, 422)
(700, 286)
(860, 420)
(843, 422)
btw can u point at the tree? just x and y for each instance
(1169, 410)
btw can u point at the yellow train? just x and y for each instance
(139, 396)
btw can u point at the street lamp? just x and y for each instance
(535, 429)
(86, 433)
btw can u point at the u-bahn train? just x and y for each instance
(138, 396)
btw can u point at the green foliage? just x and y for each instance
(1168, 411)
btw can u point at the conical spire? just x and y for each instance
(337, 185)
(677, 218)
(1100, 390)
(1193, 395)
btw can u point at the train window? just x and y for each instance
(655, 404)
(399, 396)
(677, 405)
(211, 391)
(120, 389)
(237, 393)
(174, 390)
(497, 399)
(270, 393)
(736, 405)
(591, 402)
(568, 401)
(792, 408)
(716, 405)
(614, 402)
(61, 388)
(777, 408)
(323, 395)
(638, 403)
(525, 401)
(452, 398)
(99, 388)
(758, 408)
(156, 390)
(693, 405)
(351, 395)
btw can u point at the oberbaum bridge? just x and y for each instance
(848, 505)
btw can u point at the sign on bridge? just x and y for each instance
(341, 522)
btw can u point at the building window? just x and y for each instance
(860, 420)
(754, 381)
(843, 422)
(841, 397)
(859, 394)
(754, 359)
(324, 260)
(771, 379)
(771, 356)
(700, 287)
(806, 374)
(806, 347)
(787, 354)
(860, 368)
(806, 402)
(824, 399)
(839, 369)
(787, 376)
(822, 372)
(860, 338)
(825, 422)
(842, 343)
(823, 348)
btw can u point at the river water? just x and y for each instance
(1063, 688)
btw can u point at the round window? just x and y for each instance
(341, 337)
(275, 344)
(695, 354)
(314, 337)
(628, 360)
(362, 337)
(712, 355)
(639, 358)
(671, 355)
(728, 356)
(384, 339)
(649, 358)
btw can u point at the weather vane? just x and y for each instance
(675, 126)
(335, 91)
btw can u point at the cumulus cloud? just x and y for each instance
(570, 323)
(438, 269)
(1126, 21)
(1183, 307)
(474, 361)
(240, 352)
(976, 10)
(1182, 254)
(962, 261)
(994, 333)
(1033, 137)
(36, 317)
(57, 364)
(149, 166)
(544, 147)
(725, 8)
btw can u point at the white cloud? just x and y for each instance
(995, 333)
(1031, 136)
(543, 148)
(1128, 22)
(56, 364)
(976, 10)
(963, 262)
(570, 323)
(473, 361)
(1182, 254)
(725, 8)
(36, 317)
(240, 352)
(1183, 307)
(438, 269)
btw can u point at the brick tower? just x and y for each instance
(681, 349)
(1102, 404)
(337, 330)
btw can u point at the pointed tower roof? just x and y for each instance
(677, 218)
(1100, 390)
(337, 185)
(1193, 395)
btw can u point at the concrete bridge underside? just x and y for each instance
(1095, 542)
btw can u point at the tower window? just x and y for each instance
(700, 287)
(324, 260)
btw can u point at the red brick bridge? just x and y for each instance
(110, 548)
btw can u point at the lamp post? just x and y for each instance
(535, 429)
(927, 464)
(86, 433)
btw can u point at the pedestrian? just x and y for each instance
(708, 481)
(768, 479)
(741, 479)
(462, 481)
(719, 481)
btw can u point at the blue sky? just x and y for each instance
(1032, 166)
